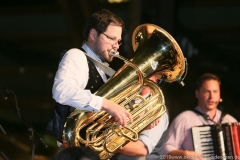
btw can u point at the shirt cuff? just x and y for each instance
(95, 105)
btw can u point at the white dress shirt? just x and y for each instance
(71, 79)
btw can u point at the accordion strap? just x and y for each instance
(203, 117)
(222, 116)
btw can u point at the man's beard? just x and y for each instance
(105, 57)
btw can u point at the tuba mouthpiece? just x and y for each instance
(114, 53)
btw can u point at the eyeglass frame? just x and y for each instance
(110, 38)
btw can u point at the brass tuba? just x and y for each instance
(156, 53)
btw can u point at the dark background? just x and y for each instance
(33, 33)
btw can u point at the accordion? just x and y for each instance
(221, 140)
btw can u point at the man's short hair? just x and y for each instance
(100, 20)
(205, 77)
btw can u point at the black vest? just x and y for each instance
(61, 112)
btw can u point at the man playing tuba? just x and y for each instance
(78, 77)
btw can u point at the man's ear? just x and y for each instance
(92, 34)
(196, 94)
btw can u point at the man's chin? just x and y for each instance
(211, 107)
(110, 59)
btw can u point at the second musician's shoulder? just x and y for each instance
(229, 119)
(186, 115)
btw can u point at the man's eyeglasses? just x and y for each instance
(112, 40)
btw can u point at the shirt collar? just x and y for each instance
(199, 109)
(216, 117)
(90, 52)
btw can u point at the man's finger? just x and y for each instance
(129, 116)
(123, 120)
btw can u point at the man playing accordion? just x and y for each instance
(179, 140)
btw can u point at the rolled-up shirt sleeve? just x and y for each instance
(70, 82)
(151, 137)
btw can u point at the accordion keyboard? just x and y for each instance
(208, 141)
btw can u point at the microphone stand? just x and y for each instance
(2, 130)
(1, 153)
(34, 134)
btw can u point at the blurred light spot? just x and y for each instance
(21, 70)
(50, 75)
(117, 1)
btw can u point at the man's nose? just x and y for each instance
(210, 95)
(116, 46)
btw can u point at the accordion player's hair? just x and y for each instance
(205, 77)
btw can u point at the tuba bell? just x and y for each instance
(156, 54)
